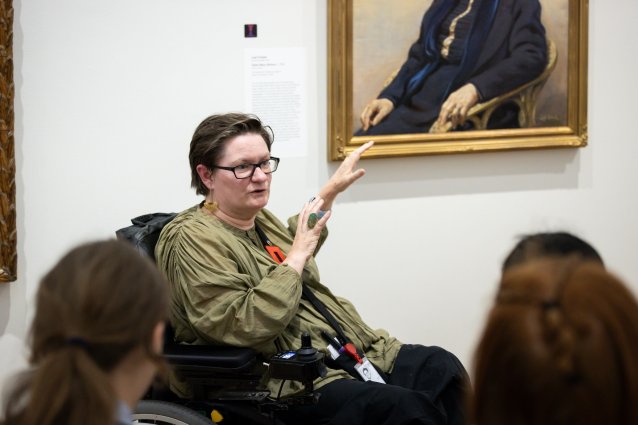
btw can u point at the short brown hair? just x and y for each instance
(210, 138)
(560, 347)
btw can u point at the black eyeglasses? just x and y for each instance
(246, 171)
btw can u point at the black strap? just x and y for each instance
(321, 308)
(308, 294)
(264, 239)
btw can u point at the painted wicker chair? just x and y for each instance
(524, 97)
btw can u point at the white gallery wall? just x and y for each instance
(108, 94)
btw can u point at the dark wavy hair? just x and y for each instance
(550, 244)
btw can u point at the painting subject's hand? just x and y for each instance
(346, 174)
(307, 234)
(374, 112)
(454, 109)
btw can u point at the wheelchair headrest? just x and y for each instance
(145, 231)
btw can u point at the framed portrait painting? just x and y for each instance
(426, 77)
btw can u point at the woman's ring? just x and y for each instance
(312, 220)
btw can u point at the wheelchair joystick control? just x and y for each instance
(306, 350)
(304, 365)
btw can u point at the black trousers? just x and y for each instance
(427, 386)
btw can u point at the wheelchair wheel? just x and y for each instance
(161, 412)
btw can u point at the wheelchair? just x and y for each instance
(226, 381)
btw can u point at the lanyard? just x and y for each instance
(341, 343)
(278, 256)
(275, 252)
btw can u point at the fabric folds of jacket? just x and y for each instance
(227, 290)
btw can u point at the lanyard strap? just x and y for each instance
(275, 252)
(321, 308)
(278, 256)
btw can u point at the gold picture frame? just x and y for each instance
(8, 238)
(569, 130)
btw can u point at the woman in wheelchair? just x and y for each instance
(96, 339)
(239, 276)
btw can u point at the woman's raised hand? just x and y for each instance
(346, 174)
(309, 226)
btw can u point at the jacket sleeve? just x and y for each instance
(527, 53)
(416, 60)
(225, 297)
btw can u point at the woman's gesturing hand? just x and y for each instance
(346, 174)
(309, 227)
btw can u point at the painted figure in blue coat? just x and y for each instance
(467, 51)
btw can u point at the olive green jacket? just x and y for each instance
(226, 289)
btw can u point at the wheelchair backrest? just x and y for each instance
(145, 231)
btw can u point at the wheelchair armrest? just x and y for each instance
(212, 358)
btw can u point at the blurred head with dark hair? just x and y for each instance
(96, 338)
(560, 347)
(550, 244)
